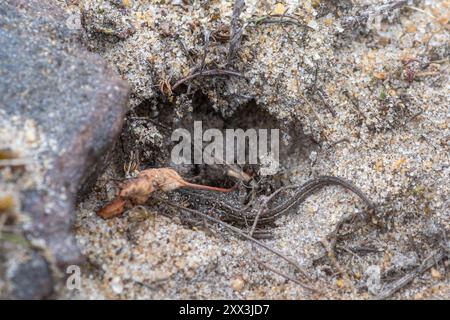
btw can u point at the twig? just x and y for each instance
(321, 96)
(282, 19)
(205, 53)
(208, 73)
(264, 203)
(335, 234)
(205, 50)
(354, 103)
(311, 107)
(402, 282)
(235, 30)
(363, 250)
(363, 17)
(185, 49)
(335, 143)
(422, 11)
(242, 234)
(288, 277)
(426, 74)
(331, 254)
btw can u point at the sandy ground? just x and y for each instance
(387, 132)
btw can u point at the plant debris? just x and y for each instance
(138, 190)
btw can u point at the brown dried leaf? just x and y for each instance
(114, 208)
(138, 190)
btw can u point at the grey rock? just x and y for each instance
(77, 103)
(31, 279)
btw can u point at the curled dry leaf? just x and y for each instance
(138, 190)
(114, 208)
